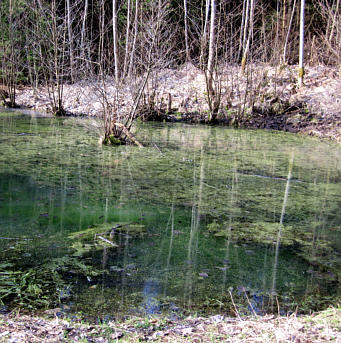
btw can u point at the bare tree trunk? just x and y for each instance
(114, 32)
(284, 17)
(186, 30)
(70, 36)
(210, 62)
(83, 32)
(249, 37)
(132, 52)
(207, 12)
(330, 45)
(125, 65)
(288, 32)
(101, 35)
(264, 40)
(9, 61)
(58, 58)
(301, 52)
(277, 44)
(241, 40)
(337, 10)
(203, 42)
(246, 24)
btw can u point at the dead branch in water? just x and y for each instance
(127, 132)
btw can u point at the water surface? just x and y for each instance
(198, 217)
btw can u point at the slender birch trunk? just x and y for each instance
(337, 9)
(284, 17)
(204, 35)
(125, 65)
(241, 41)
(186, 31)
(114, 32)
(250, 34)
(82, 47)
(101, 37)
(70, 35)
(246, 24)
(132, 52)
(207, 12)
(11, 77)
(210, 62)
(57, 90)
(288, 33)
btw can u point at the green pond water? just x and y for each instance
(196, 218)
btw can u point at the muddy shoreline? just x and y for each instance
(273, 100)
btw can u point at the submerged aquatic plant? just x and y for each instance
(44, 285)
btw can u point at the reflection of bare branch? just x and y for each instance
(107, 241)
(195, 221)
(280, 228)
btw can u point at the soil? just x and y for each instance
(264, 97)
(318, 327)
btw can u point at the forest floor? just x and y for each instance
(324, 326)
(264, 97)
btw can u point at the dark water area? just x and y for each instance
(197, 218)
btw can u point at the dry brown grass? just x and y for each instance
(324, 326)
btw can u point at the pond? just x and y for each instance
(201, 220)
